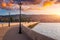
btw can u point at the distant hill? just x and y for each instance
(40, 18)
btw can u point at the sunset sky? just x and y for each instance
(38, 8)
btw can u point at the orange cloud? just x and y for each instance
(3, 5)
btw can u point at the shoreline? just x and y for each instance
(5, 24)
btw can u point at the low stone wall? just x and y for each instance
(16, 23)
(26, 24)
(7, 24)
(34, 35)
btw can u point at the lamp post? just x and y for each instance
(19, 3)
(9, 19)
(9, 5)
(20, 30)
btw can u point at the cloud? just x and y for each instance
(29, 1)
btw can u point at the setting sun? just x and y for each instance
(54, 9)
(47, 4)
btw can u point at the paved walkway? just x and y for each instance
(12, 34)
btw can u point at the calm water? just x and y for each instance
(49, 29)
